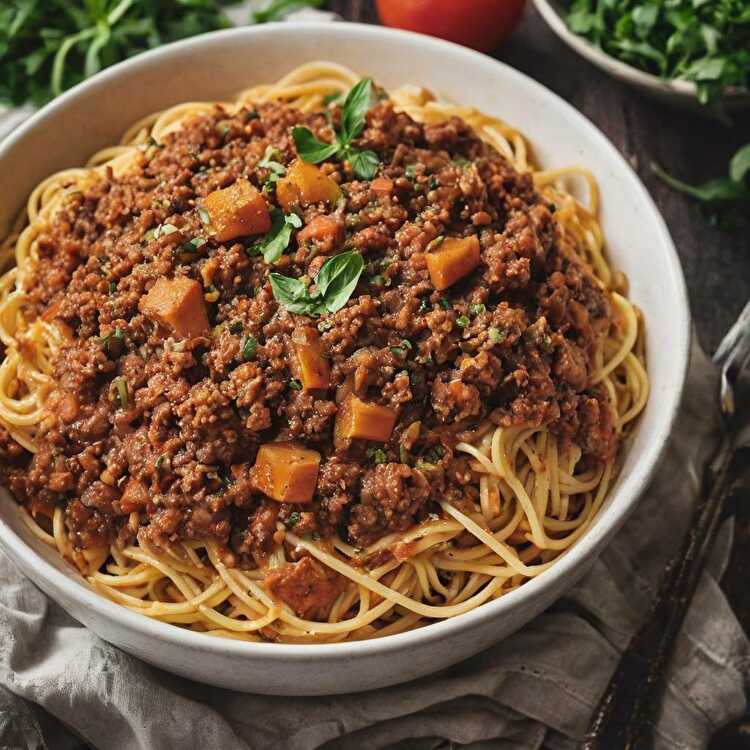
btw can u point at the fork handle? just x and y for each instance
(623, 719)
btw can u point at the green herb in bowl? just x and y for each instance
(703, 41)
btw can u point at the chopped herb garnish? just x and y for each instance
(325, 325)
(118, 392)
(277, 10)
(364, 163)
(445, 304)
(379, 280)
(270, 161)
(336, 281)
(434, 183)
(112, 287)
(477, 309)
(294, 518)
(193, 245)
(404, 346)
(410, 171)
(204, 216)
(462, 321)
(404, 455)
(159, 462)
(496, 335)
(249, 345)
(435, 243)
(236, 327)
(274, 243)
(113, 343)
(295, 385)
(377, 455)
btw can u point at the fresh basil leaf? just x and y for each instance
(338, 278)
(291, 293)
(364, 163)
(739, 167)
(310, 149)
(357, 103)
(274, 243)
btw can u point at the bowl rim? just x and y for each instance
(590, 544)
(629, 73)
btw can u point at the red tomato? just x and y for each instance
(480, 24)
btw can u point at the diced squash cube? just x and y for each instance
(177, 304)
(310, 364)
(382, 186)
(323, 229)
(359, 419)
(451, 260)
(306, 184)
(286, 472)
(237, 211)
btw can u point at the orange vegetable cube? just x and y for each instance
(306, 184)
(382, 186)
(177, 304)
(237, 211)
(286, 472)
(310, 364)
(451, 260)
(322, 229)
(359, 419)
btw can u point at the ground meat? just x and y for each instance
(308, 587)
(146, 426)
(391, 499)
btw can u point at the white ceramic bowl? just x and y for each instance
(214, 66)
(673, 91)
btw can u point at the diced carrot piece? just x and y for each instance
(452, 259)
(323, 228)
(177, 304)
(382, 186)
(306, 184)
(237, 211)
(359, 419)
(310, 363)
(286, 472)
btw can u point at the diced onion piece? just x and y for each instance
(286, 472)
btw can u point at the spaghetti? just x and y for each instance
(531, 490)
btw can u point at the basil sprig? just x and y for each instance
(364, 163)
(335, 282)
(274, 243)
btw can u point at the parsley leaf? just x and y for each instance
(47, 47)
(695, 40)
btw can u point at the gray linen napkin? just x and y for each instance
(537, 689)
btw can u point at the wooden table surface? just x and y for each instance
(716, 263)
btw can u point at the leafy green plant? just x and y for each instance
(705, 41)
(273, 244)
(364, 163)
(47, 46)
(276, 10)
(726, 200)
(335, 282)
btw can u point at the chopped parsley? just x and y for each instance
(249, 346)
(462, 321)
(377, 455)
(477, 309)
(496, 335)
(295, 385)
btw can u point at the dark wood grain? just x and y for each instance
(716, 263)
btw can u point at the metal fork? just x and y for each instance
(624, 718)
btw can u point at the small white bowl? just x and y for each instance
(215, 66)
(674, 91)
